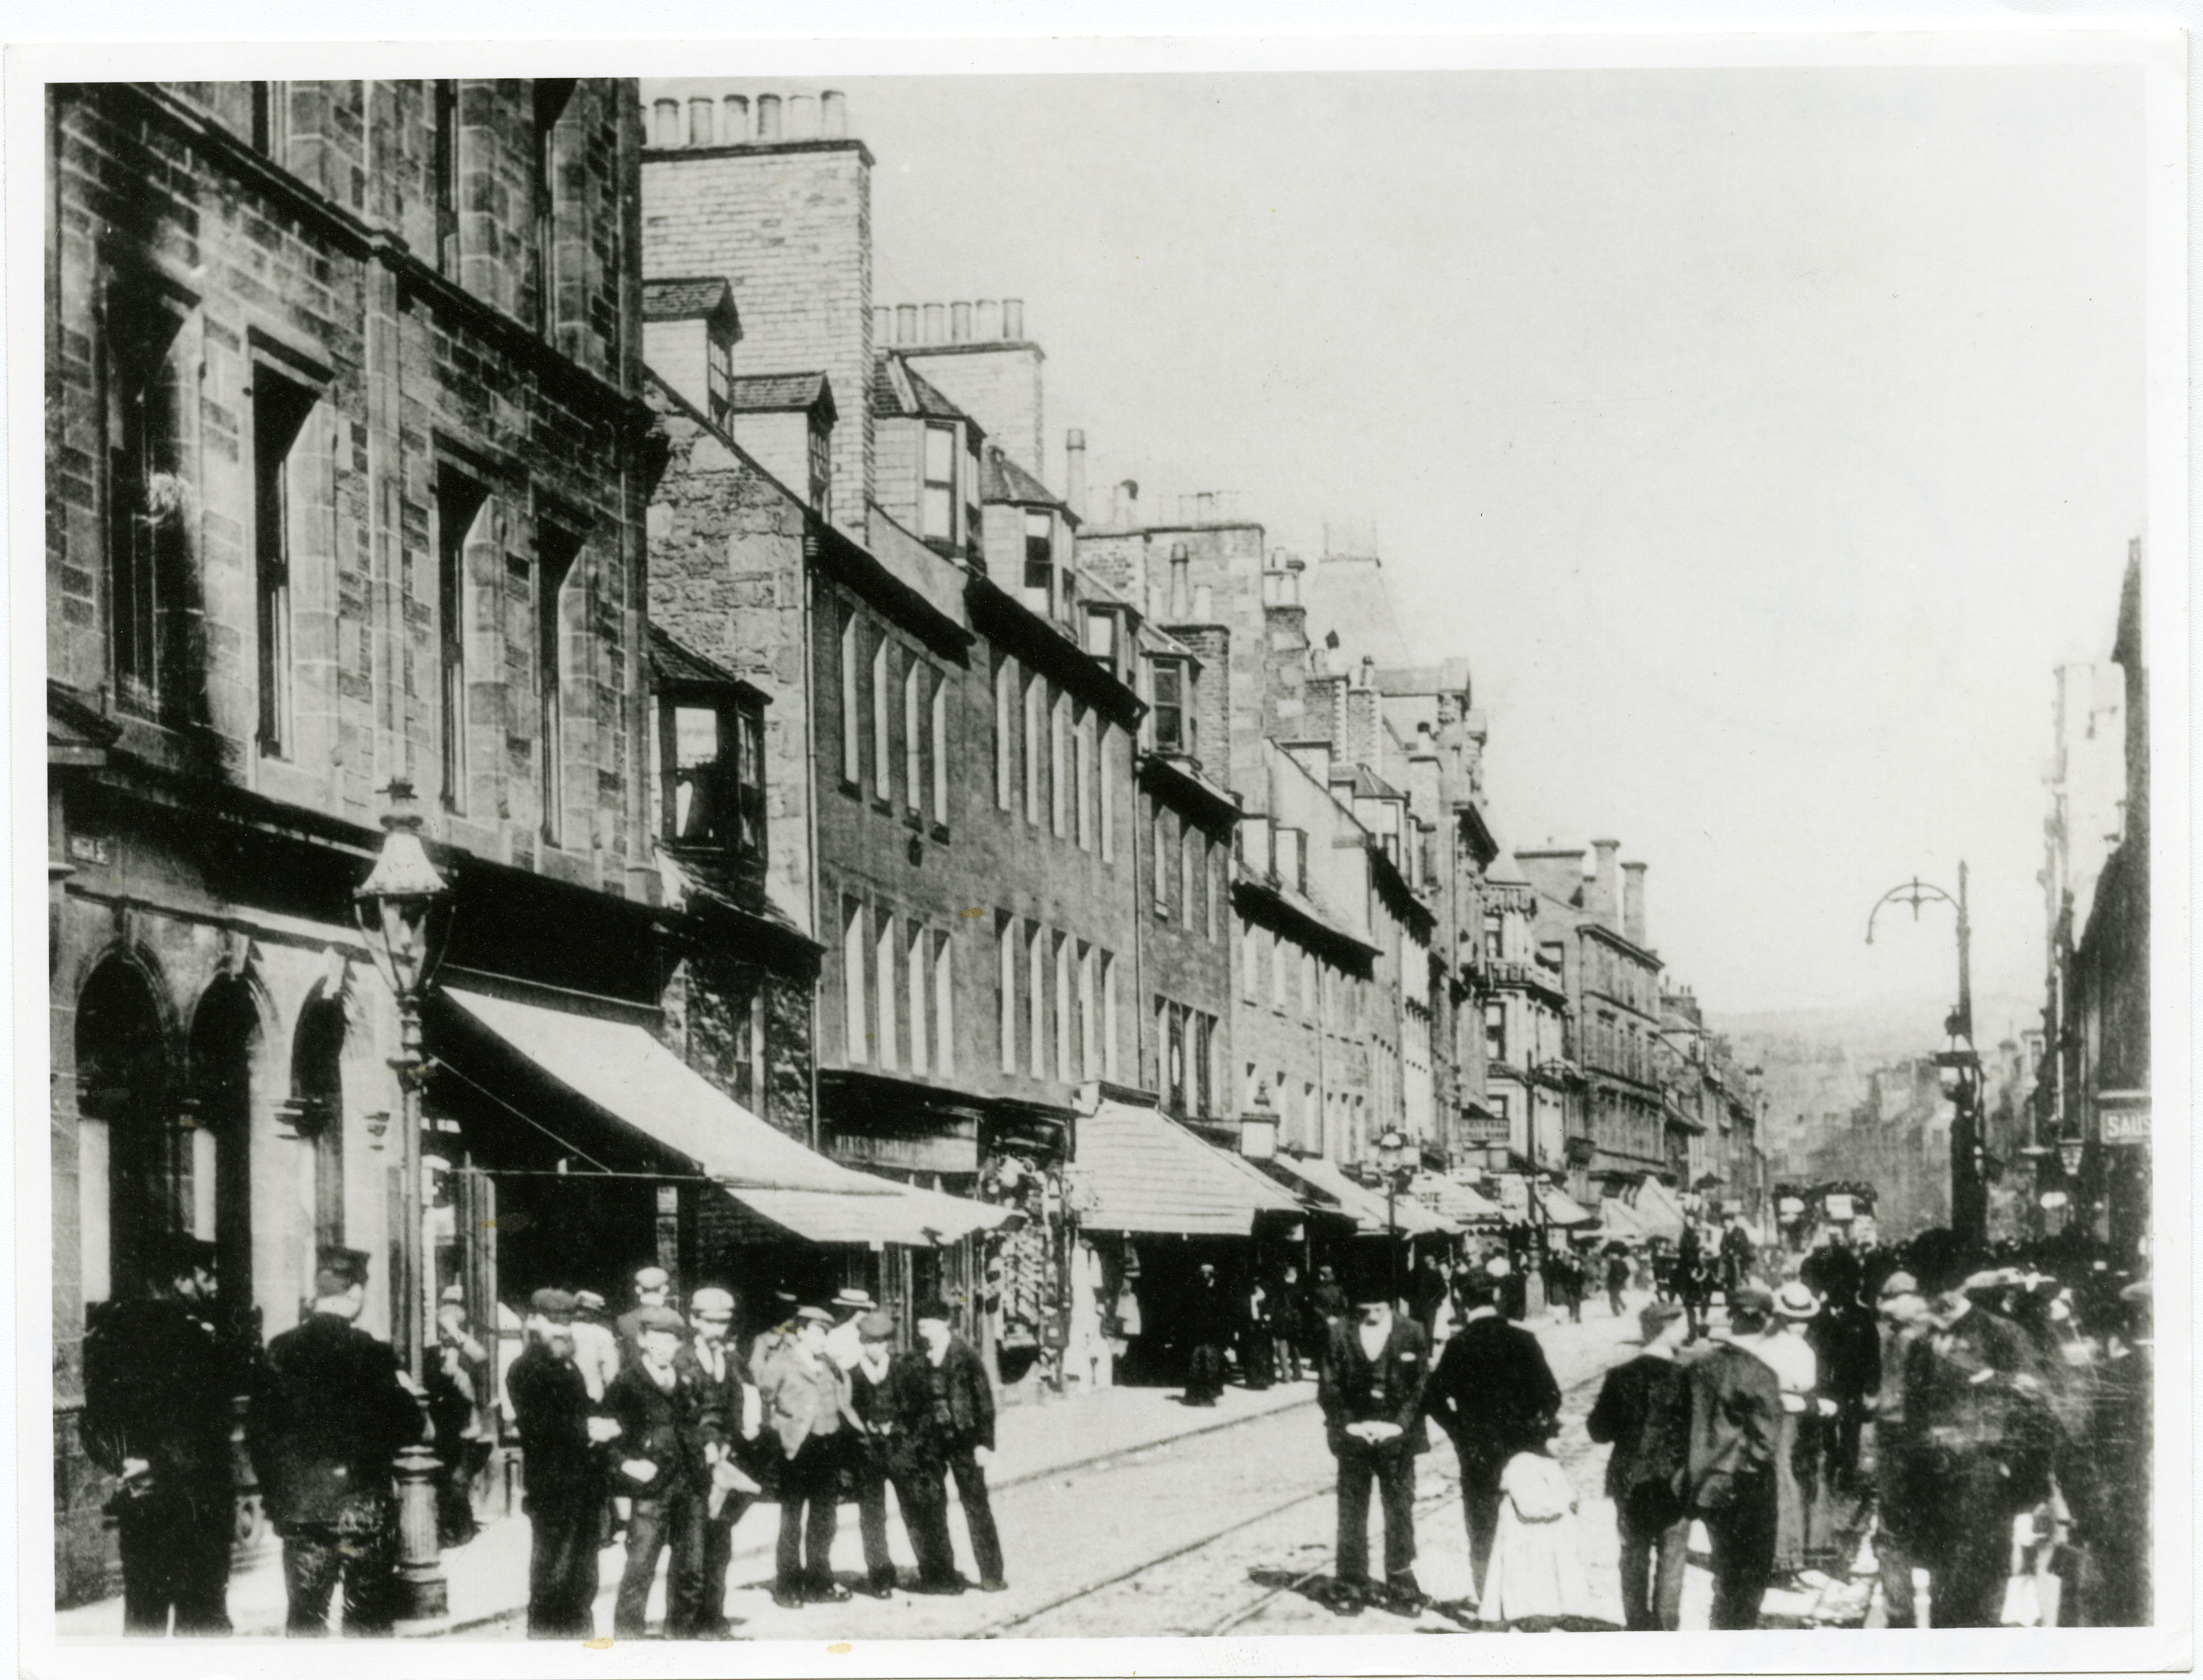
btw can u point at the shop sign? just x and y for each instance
(2129, 1126)
(906, 1153)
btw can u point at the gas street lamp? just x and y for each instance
(1392, 1162)
(392, 907)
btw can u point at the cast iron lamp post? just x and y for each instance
(1392, 1162)
(1959, 1066)
(392, 906)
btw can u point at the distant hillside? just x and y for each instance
(1816, 1061)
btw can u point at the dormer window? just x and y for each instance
(712, 754)
(1170, 715)
(1040, 561)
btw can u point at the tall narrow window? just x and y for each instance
(1174, 731)
(1197, 1068)
(1084, 799)
(944, 1006)
(1089, 1023)
(853, 707)
(1039, 591)
(1212, 872)
(1006, 732)
(1109, 1051)
(556, 549)
(719, 385)
(921, 1021)
(1189, 840)
(444, 168)
(271, 119)
(937, 512)
(1308, 986)
(1174, 1078)
(145, 489)
(550, 97)
(1037, 996)
(1035, 743)
(1066, 1067)
(887, 1031)
(459, 504)
(940, 740)
(1108, 791)
(1058, 763)
(279, 410)
(856, 1041)
(914, 778)
(1158, 847)
(1278, 966)
(1250, 961)
(1006, 988)
(882, 722)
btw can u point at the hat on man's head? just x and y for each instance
(1796, 1300)
(846, 1297)
(935, 1308)
(556, 1305)
(1898, 1283)
(454, 1294)
(1368, 1281)
(875, 1326)
(1941, 1260)
(588, 1300)
(337, 1269)
(1656, 1316)
(652, 1277)
(660, 1318)
(708, 1302)
(814, 1314)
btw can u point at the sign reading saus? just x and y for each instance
(2126, 1126)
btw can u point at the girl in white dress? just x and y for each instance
(1537, 1558)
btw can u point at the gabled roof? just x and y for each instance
(672, 661)
(899, 391)
(700, 298)
(782, 393)
(1002, 480)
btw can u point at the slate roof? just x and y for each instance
(1002, 480)
(782, 393)
(687, 299)
(1136, 1170)
(898, 390)
(672, 661)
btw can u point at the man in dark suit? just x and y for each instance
(1735, 1402)
(732, 1415)
(1643, 1409)
(963, 1405)
(1979, 1434)
(1370, 1389)
(329, 1416)
(1495, 1395)
(664, 1470)
(160, 1380)
(1693, 1279)
(1209, 1327)
(561, 1430)
(1289, 1314)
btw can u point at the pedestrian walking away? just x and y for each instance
(963, 1405)
(1735, 1408)
(733, 1419)
(663, 1469)
(325, 1424)
(160, 1378)
(1643, 1409)
(1617, 1279)
(1494, 1396)
(1796, 1368)
(1370, 1390)
(561, 1430)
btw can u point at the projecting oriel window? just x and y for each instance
(1174, 724)
(937, 510)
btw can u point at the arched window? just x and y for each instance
(317, 1093)
(225, 1037)
(137, 1161)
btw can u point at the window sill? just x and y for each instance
(853, 790)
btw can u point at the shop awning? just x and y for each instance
(1657, 1211)
(1617, 1219)
(1367, 1206)
(1463, 1204)
(619, 1068)
(1135, 1169)
(1560, 1208)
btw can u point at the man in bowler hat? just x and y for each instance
(1370, 1390)
(159, 1381)
(327, 1421)
(561, 1430)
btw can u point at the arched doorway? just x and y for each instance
(127, 1131)
(226, 1037)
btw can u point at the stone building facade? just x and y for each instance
(346, 488)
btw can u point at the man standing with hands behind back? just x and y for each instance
(964, 1409)
(1371, 1391)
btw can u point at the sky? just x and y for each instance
(1762, 438)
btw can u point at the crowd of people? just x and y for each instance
(657, 1428)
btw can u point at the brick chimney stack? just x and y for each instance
(1633, 902)
(1603, 898)
(1074, 471)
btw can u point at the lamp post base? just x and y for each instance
(422, 1594)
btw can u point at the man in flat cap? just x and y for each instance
(849, 1304)
(732, 1414)
(159, 1380)
(1494, 1395)
(1370, 1390)
(804, 1396)
(962, 1401)
(1643, 1408)
(881, 1431)
(596, 1348)
(662, 1468)
(654, 1291)
(1735, 1423)
(329, 1417)
(561, 1430)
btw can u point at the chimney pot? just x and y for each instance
(883, 326)
(1128, 502)
(833, 114)
(1014, 317)
(959, 323)
(700, 114)
(1605, 899)
(665, 122)
(1633, 906)
(906, 323)
(1074, 471)
(1205, 507)
(803, 117)
(933, 318)
(768, 116)
(987, 318)
(734, 119)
